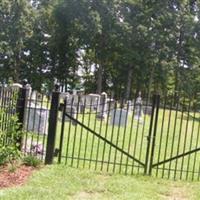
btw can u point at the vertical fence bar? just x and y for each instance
(179, 137)
(196, 146)
(169, 124)
(191, 139)
(112, 134)
(93, 138)
(102, 116)
(137, 130)
(106, 135)
(81, 131)
(52, 126)
(161, 132)
(149, 136)
(174, 132)
(75, 133)
(124, 137)
(143, 131)
(130, 134)
(185, 139)
(118, 134)
(87, 134)
(62, 131)
(20, 109)
(71, 103)
(154, 133)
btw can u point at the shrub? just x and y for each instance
(31, 160)
(9, 147)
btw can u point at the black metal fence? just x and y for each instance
(157, 136)
(151, 134)
(20, 109)
(35, 126)
(8, 103)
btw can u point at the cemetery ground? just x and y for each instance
(58, 182)
(177, 132)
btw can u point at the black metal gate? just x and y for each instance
(163, 142)
(107, 138)
(176, 145)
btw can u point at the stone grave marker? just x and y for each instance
(93, 101)
(36, 119)
(138, 108)
(103, 106)
(119, 117)
(71, 110)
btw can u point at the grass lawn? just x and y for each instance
(58, 182)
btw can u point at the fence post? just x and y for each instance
(154, 133)
(149, 136)
(20, 110)
(52, 126)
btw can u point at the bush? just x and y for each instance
(9, 147)
(31, 160)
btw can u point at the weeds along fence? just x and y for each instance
(27, 112)
(157, 135)
(8, 102)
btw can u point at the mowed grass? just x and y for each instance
(58, 182)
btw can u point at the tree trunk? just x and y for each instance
(129, 83)
(99, 79)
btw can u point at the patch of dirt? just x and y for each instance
(16, 178)
(177, 193)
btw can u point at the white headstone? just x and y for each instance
(103, 106)
(93, 101)
(138, 108)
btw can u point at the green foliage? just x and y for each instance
(156, 43)
(9, 137)
(31, 160)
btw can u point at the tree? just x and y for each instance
(16, 27)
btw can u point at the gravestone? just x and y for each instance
(103, 106)
(71, 110)
(110, 105)
(36, 119)
(130, 106)
(138, 108)
(93, 101)
(147, 110)
(119, 117)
